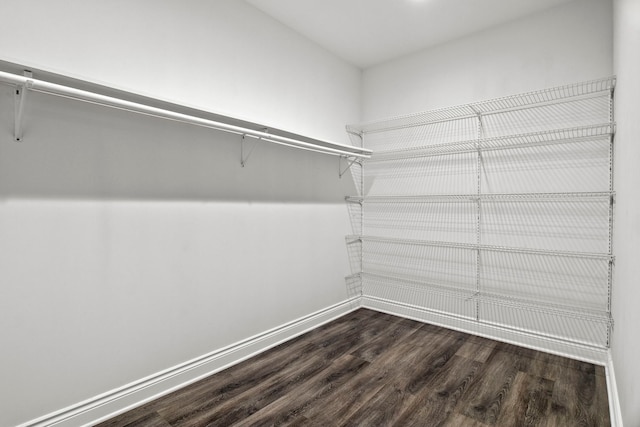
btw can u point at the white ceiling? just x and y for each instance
(368, 32)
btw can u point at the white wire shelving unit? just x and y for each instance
(497, 213)
(112, 98)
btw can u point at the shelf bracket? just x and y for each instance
(358, 134)
(245, 151)
(342, 171)
(19, 101)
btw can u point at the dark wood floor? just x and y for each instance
(372, 369)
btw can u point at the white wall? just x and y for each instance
(626, 292)
(221, 55)
(559, 46)
(131, 244)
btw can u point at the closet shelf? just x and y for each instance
(600, 87)
(491, 298)
(512, 197)
(470, 246)
(461, 293)
(534, 139)
(165, 110)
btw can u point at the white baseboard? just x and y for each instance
(612, 391)
(114, 402)
(535, 342)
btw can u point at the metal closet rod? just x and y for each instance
(331, 148)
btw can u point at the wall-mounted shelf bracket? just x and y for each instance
(357, 134)
(20, 97)
(480, 125)
(349, 161)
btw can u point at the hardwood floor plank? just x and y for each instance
(488, 392)
(214, 391)
(437, 403)
(328, 381)
(459, 420)
(528, 403)
(575, 400)
(249, 374)
(146, 419)
(434, 361)
(398, 341)
(347, 338)
(335, 409)
(385, 407)
(369, 368)
(254, 398)
(478, 349)
(413, 368)
(386, 337)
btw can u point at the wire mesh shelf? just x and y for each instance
(574, 222)
(576, 325)
(532, 139)
(439, 198)
(488, 297)
(550, 253)
(572, 166)
(600, 87)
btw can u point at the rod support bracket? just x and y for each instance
(19, 101)
(349, 161)
(245, 151)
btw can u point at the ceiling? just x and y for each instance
(369, 32)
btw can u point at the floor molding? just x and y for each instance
(612, 389)
(560, 348)
(114, 402)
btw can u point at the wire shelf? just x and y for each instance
(563, 322)
(439, 198)
(574, 222)
(600, 87)
(475, 247)
(431, 287)
(491, 298)
(573, 165)
(533, 139)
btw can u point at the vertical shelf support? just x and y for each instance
(611, 213)
(362, 230)
(478, 210)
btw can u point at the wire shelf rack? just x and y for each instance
(498, 212)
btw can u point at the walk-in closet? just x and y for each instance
(305, 212)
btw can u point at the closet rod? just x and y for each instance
(324, 147)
